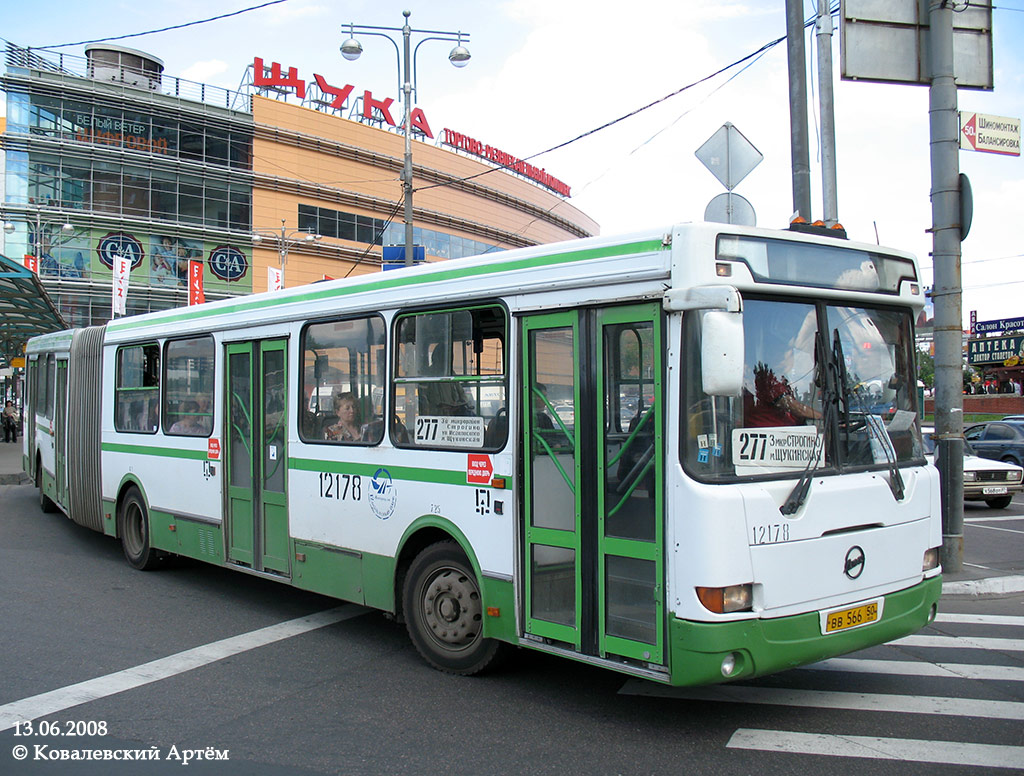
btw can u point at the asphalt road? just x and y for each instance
(353, 696)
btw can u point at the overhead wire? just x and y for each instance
(163, 29)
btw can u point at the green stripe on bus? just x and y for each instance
(406, 473)
(160, 452)
(644, 246)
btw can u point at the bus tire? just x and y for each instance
(133, 528)
(45, 502)
(444, 612)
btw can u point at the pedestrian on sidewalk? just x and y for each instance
(10, 421)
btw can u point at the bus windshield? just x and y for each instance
(826, 386)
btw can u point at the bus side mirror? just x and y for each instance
(721, 353)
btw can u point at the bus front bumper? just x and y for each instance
(699, 650)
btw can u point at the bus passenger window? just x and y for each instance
(342, 395)
(450, 379)
(188, 393)
(137, 389)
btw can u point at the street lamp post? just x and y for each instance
(285, 241)
(67, 231)
(459, 57)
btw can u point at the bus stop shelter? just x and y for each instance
(25, 311)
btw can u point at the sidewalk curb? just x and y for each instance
(979, 587)
(14, 479)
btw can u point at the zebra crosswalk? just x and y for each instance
(993, 677)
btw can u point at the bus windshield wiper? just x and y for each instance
(873, 424)
(826, 380)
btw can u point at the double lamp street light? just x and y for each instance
(285, 241)
(39, 245)
(459, 57)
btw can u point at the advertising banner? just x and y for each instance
(195, 283)
(275, 279)
(122, 269)
(996, 351)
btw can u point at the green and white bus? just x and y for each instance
(690, 455)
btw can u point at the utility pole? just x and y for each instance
(799, 144)
(828, 120)
(946, 295)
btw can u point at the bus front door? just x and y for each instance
(256, 455)
(593, 441)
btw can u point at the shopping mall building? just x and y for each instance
(106, 156)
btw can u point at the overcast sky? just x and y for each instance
(546, 71)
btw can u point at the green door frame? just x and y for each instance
(256, 455)
(642, 551)
(587, 540)
(550, 452)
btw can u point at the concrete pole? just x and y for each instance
(798, 140)
(945, 196)
(407, 168)
(828, 121)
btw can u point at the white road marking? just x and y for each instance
(822, 699)
(111, 684)
(907, 750)
(980, 619)
(916, 668)
(997, 528)
(960, 642)
(997, 519)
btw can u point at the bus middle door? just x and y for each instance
(256, 455)
(593, 471)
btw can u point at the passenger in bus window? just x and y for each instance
(541, 419)
(442, 398)
(190, 423)
(347, 428)
(774, 402)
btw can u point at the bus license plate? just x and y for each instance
(855, 616)
(994, 491)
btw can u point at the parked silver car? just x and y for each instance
(993, 482)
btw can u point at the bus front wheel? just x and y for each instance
(133, 528)
(444, 612)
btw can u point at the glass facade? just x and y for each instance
(159, 183)
(377, 231)
(141, 176)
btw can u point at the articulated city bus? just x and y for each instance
(690, 455)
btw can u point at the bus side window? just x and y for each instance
(450, 381)
(342, 392)
(137, 389)
(188, 390)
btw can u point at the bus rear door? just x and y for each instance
(256, 455)
(593, 500)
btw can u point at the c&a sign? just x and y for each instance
(115, 245)
(228, 263)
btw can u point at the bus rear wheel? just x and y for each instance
(133, 528)
(45, 502)
(444, 612)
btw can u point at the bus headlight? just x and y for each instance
(720, 600)
(931, 559)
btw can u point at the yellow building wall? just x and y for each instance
(303, 156)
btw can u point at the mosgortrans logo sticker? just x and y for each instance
(382, 494)
(117, 244)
